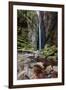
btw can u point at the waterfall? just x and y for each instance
(39, 23)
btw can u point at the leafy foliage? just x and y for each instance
(49, 52)
(26, 22)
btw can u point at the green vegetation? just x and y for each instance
(27, 24)
(49, 52)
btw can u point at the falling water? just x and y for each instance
(38, 13)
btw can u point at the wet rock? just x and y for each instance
(48, 69)
(37, 71)
(55, 68)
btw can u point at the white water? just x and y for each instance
(39, 30)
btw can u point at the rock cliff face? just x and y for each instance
(29, 24)
(47, 21)
(50, 21)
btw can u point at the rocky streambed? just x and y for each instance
(27, 61)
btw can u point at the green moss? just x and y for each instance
(49, 52)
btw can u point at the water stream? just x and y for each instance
(38, 13)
